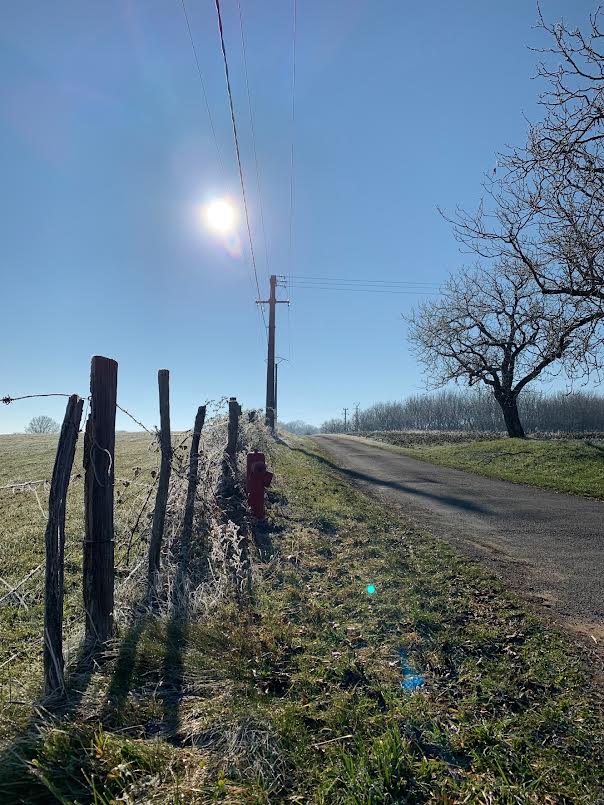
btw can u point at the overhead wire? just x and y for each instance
(208, 109)
(361, 280)
(361, 284)
(292, 172)
(370, 289)
(203, 86)
(293, 133)
(253, 130)
(238, 153)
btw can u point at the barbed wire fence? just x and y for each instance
(217, 567)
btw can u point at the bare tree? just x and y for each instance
(494, 326)
(299, 427)
(43, 424)
(545, 207)
(476, 410)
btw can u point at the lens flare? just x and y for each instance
(220, 215)
(370, 589)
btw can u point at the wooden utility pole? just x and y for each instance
(55, 548)
(345, 420)
(99, 464)
(356, 415)
(271, 400)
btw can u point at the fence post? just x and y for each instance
(54, 539)
(99, 464)
(161, 498)
(233, 429)
(187, 528)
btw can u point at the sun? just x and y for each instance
(220, 215)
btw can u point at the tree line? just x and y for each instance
(532, 303)
(476, 410)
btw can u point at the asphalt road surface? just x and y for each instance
(547, 546)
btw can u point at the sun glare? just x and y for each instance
(220, 216)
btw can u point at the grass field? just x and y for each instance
(309, 695)
(565, 465)
(23, 517)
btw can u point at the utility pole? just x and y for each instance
(271, 399)
(345, 420)
(356, 416)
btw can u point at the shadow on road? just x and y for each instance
(459, 503)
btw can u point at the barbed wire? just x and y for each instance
(134, 419)
(24, 484)
(7, 400)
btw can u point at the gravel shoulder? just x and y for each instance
(547, 546)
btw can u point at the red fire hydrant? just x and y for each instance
(256, 480)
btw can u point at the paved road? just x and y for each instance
(548, 546)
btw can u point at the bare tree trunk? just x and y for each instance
(509, 407)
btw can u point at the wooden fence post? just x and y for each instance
(187, 528)
(161, 498)
(99, 464)
(55, 548)
(233, 428)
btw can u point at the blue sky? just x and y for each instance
(106, 155)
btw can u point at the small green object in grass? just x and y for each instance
(370, 589)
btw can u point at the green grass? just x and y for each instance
(565, 465)
(22, 526)
(299, 699)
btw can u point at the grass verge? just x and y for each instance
(24, 512)
(300, 700)
(564, 465)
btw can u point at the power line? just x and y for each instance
(373, 289)
(253, 130)
(238, 152)
(293, 132)
(362, 281)
(203, 86)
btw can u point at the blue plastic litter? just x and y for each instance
(410, 681)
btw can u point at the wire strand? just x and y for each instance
(238, 153)
(293, 132)
(373, 289)
(358, 280)
(253, 130)
(203, 87)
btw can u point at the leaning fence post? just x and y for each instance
(54, 539)
(187, 527)
(161, 498)
(99, 463)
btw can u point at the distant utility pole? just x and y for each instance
(345, 420)
(271, 398)
(356, 416)
(278, 360)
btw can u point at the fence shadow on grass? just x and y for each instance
(16, 785)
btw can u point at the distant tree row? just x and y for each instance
(577, 412)
(298, 427)
(532, 303)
